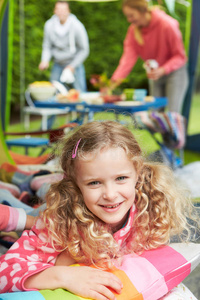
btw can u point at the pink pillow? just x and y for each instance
(38, 181)
(13, 189)
(146, 277)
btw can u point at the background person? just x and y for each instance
(66, 42)
(110, 199)
(154, 35)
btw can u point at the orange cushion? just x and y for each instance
(21, 159)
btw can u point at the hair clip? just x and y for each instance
(75, 149)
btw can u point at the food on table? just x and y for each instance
(96, 100)
(71, 96)
(113, 98)
(41, 83)
(149, 98)
(42, 90)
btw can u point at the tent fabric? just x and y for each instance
(5, 156)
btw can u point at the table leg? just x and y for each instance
(44, 122)
(27, 121)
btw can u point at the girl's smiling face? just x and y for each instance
(107, 182)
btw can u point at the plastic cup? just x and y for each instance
(129, 93)
(139, 94)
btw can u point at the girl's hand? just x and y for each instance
(91, 283)
(156, 73)
(80, 280)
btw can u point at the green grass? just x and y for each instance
(145, 139)
(194, 122)
(193, 128)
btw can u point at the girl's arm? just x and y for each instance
(80, 280)
(83, 281)
(29, 255)
(30, 265)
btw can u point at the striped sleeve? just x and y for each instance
(11, 218)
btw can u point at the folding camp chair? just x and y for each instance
(172, 127)
(30, 138)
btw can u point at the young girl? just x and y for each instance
(110, 202)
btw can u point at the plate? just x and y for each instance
(89, 95)
(129, 103)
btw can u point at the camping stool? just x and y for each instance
(31, 139)
(27, 142)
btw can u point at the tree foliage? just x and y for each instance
(106, 27)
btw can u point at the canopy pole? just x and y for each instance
(22, 58)
(193, 141)
(9, 63)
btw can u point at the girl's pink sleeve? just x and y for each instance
(128, 58)
(12, 219)
(31, 254)
(178, 58)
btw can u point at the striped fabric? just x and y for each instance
(12, 219)
(171, 125)
(145, 277)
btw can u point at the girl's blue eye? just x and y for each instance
(93, 183)
(121, 178)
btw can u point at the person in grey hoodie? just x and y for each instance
(66, 42)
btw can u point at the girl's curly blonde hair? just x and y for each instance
(162, 207)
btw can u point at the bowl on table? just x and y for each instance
(42, 90)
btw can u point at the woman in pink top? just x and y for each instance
(154, 35)
(109, 202)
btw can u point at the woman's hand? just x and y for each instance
(156, 74)
(71, 68)
(43, 65)
(116, 83)
(80, 280)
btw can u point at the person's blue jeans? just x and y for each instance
(79, 83)
(79, 74)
